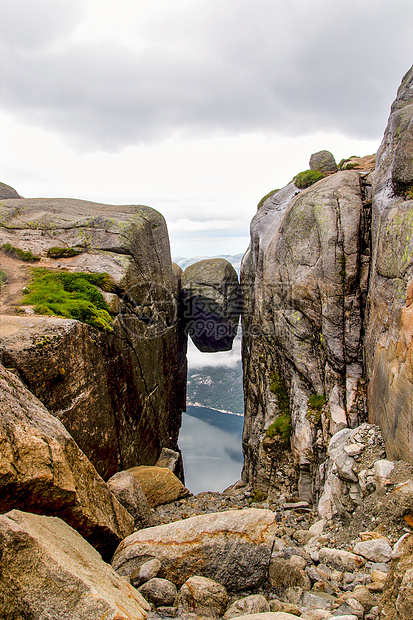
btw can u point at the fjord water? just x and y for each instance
(211, 431)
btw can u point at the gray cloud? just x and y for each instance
(217, 68)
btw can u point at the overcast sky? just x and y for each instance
(195, 107)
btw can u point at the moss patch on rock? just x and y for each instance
(56, 252)
(306, 178)
(315, 406)
(281, 427)
(25, 255)
(71, 295)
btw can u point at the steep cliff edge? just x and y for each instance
(327, 324)
(389, 326)
(120, 391)
(305, 281)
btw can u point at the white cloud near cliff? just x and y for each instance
(197, 108)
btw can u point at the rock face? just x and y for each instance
(388, 342)
(305, 280)
(211, 302)
(232, 547)
(120, 394)
(397, 599)
(49, 571)
(42, 470)
(328, 316)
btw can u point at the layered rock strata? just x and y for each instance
(120, 394)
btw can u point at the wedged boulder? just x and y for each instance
(232, 547)
(127, 490)
(42, 470)
(49, 571)
(211, 304)
(159, 484)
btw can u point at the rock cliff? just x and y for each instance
(327, 285)
(118, 391)
(388, 342)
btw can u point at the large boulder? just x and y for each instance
(129, 381)
(42, 470)
(232, 547)
(388, 341)
(159, 484)
(211, 304)
(323, 161)
(49, 571)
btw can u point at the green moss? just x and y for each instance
(258, 495)
(26, 256)
(281, 427)
(315, 405)
(264, 198)
(277, 387)
(71, 295)
(56, 252)
(306, 178)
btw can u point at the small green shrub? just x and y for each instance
(315, 405)
(3, 278)
(56, 252)
(306, 178)
(258, 495)
(72, 295)
(281, 427)
(26, 256)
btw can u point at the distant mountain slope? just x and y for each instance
(217, 388)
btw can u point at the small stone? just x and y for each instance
(342, 560)
(160, 592)
(316, 614)
(254, 604)
(350, 607)
(167, 612)
(374, 550)
(316, 601)
(353, 449)
(298, 562)
(148, 570)
(382, 471)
